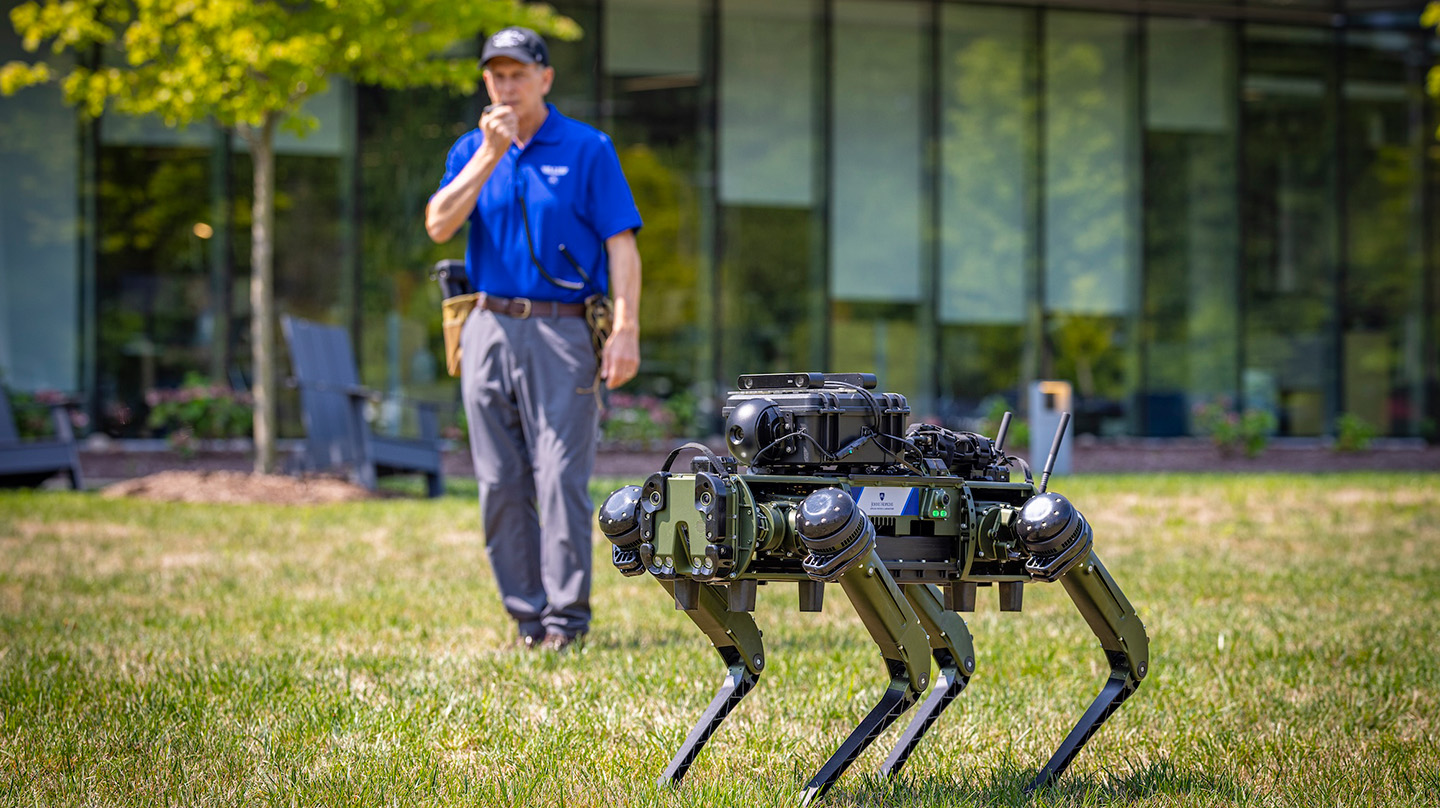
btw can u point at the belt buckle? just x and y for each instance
(525, 307)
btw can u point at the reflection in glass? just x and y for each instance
(1189, 345)
(1091, 211)
(654, 38)
(1291, 243)
(765, 299)
(878, 112)
(987, 200)
(879, 150)
(654, 75)
(1383, 314)
(766, 131)
(402, 138)
(152, 279)
(40, 318)
(877, 258)
(769, 227)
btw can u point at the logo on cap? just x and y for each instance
(508, 38)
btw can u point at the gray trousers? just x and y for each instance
(532, 439)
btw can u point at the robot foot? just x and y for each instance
(947, 687)
(897, 699)
(1119, 688)
(738, 682)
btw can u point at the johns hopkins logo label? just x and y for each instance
(554, 173)
(887, 501)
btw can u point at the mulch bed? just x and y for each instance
(236, 487)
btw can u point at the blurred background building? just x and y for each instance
(1165, 203)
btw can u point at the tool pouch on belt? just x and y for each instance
(600, 316)
(453, 311)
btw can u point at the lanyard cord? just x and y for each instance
(530, 242)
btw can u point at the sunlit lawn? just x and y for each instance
(354, 655)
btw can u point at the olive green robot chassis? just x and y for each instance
(908, 526)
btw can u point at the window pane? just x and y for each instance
(766, 128)
(987, 201)
(654, 75)
(772, 296)
(1091, 212)
(1383, 295)
(765, 296)
(1091, 153)
(652, 37)
(1191, 328)
(878, 115)
(403, 138)
(1290, 228)
(987, 183)
(39, 236)
(577, 64)
(153, 284)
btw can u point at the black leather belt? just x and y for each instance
(520, 307)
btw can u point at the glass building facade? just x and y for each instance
(1166, 204)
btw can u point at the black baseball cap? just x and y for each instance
(520, 44)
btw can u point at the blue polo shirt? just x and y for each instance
(570, 180)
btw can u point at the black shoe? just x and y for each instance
(527, 642)
(560, 642)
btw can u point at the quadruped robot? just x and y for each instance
(909, 520)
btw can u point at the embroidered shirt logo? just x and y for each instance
(554, 173)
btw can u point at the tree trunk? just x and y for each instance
(262, 295)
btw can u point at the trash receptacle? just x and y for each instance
(1048, 401)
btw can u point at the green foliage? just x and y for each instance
(1353, 433)
(1019, 433)
(32, 417)
(1248, 432)
(34, 412)
(245, 62)
(1430, 18)
(646, 419)
(199, 410)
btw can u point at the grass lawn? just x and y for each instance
(354, 655)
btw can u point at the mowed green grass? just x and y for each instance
(355, 655)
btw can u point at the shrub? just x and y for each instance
(1019, 432)
(32, 412)
(1232, 432)
(199, 410)
(1353, 433)
(632, 418)
(458, 429)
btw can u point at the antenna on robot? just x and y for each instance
(1002, 432)
(1054, 450)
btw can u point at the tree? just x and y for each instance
(249, 65)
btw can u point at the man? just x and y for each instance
(552, 222)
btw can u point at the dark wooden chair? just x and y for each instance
(28, 463)
(332, 406)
